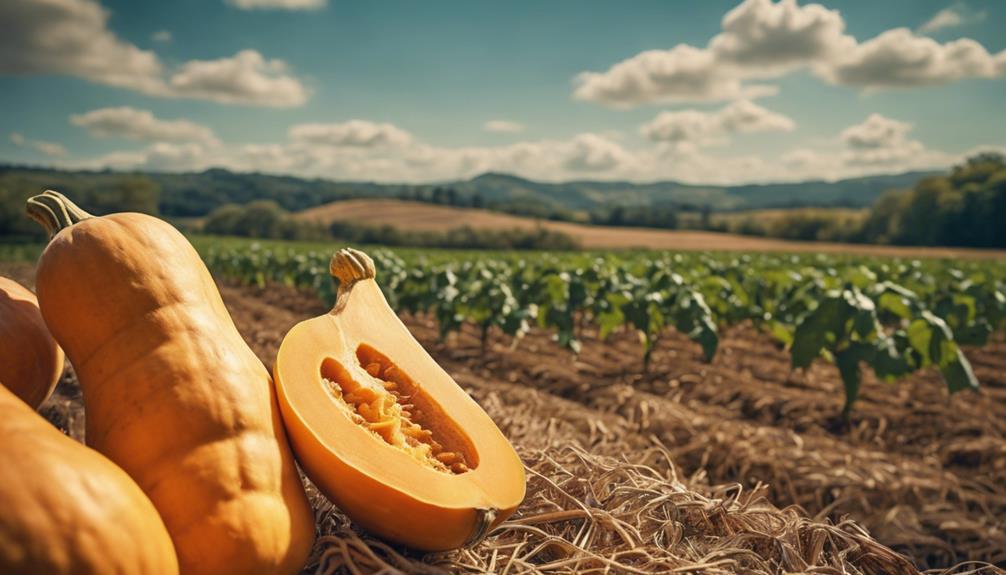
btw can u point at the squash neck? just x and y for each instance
(54, 212)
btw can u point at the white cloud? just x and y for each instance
(71, 37)
(593, 153)
(503, 126)
(882, 141)
(162, 36)
(363, 150)
(899, 58)
(952, 17)
(134, 124)
(245, 78)
(762, 39)
(357, 133)
(759, 35)
(697, 128)
(278, 4)
(876, 132)
(681, 74)
(158, 157)
(51, 149)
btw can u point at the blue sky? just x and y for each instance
(407, 91)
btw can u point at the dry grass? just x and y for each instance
(598, 503)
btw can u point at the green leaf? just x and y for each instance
(847, 361)
(828, 319)
(958, 374)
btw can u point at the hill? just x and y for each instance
(419, 216)
(586, 195)
(198, 193)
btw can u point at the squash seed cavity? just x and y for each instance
(393, 407)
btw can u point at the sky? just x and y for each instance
(716, 92)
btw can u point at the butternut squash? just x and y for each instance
(384, 431)
(67, 510)
(30, 361)
(171, 391)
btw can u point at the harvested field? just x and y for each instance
(431, 217)
(738, 466)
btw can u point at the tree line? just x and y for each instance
(964, 207)
(266, 219)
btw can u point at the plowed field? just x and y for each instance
(738, 466)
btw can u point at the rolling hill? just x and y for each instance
(196, 194)
(418, 216)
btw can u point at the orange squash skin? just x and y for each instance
(30, 360)
(174, 395)
(378, 487)
(68, 510)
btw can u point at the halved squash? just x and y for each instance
(384, 431)
(30, 360)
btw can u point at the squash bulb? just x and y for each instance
(68, 510)
(31, 362)
(384, 431)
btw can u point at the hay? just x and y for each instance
(602, 499)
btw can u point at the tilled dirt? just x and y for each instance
(738, 466)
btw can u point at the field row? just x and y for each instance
(895, 316)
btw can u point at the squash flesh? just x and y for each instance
(390, 404)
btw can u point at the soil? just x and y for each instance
(748, 443)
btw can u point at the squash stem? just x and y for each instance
(54, 212)
(349, 266)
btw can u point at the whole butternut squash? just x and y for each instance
(30, 360)
(384, 431)
(171, 391)
(68, 510)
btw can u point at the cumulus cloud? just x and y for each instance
(593, 153)
(698, 128)
(51, 149)
(134, 124)
(158, 157)
(779, 36)
(71, 37)
(876, 132)
(245, 78)
(278, 4)
(503, 126)
(364, 150)
(880, 141)
(951, 17)
(682, 74)
(762, 39)
(899, 58)
(355, 133)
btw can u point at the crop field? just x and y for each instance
(685, 413)
(420, 216)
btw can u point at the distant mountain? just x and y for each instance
(586, 195)
(198, 193)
